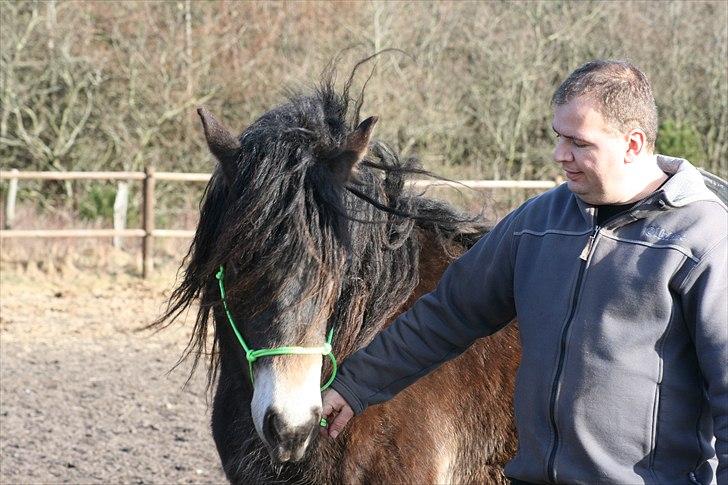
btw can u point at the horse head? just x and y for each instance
(305, 227)
(281, 234)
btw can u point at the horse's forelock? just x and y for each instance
(284, 216)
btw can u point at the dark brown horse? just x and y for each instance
(316, 230)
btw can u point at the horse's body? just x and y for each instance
(452, 426)
(315, 236)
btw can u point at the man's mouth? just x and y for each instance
(572, 175)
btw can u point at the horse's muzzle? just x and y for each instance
(285, 442)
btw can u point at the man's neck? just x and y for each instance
(647, 178)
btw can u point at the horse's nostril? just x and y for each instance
(271, 426)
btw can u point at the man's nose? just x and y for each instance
(562, 153)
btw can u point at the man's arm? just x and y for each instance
(474, 298)
(706, 307)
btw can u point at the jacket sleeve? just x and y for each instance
(474, 298)
(706, 309)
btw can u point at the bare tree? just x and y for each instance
(114, 84)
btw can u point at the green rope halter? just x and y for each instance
(253, 355)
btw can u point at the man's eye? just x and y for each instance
(579, 144)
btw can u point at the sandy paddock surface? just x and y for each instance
(84, 398)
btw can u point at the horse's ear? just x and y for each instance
(343, 164)
(222, 143)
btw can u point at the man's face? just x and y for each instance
(590, 151)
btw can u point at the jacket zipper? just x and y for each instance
(584, 256)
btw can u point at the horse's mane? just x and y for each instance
(284, 216)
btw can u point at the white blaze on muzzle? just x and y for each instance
(289, 385)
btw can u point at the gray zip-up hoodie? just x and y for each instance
(624, 330)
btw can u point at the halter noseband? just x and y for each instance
(252, 355)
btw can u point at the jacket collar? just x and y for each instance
(686, 183)
(684, 186)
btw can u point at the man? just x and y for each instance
(618, 280)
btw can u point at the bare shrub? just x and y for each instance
(112, 85)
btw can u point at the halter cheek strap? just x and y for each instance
(253, 355)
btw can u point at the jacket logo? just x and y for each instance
(658, 232)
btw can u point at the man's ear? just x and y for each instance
(343, 163)
(636, 144)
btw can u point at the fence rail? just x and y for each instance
(149, 177)
(204, 177)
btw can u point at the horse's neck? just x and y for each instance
(433, 257)
(433, 260)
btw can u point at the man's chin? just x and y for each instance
(584, 194)
(576, 188)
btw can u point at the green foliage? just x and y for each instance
(97, 202)
(680, 140)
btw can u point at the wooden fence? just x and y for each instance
(149, 177)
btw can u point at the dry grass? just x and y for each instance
(70, 257)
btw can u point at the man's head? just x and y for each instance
(606, 121)
(620, 92)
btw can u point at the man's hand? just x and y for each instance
(336, 411)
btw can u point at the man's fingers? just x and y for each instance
(332, 402)
(336, 410)
(340, 421)
(327, 407)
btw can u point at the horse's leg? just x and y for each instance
(453, 426)
(397, 443)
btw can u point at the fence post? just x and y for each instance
(121, 204)
(10, 201)
(148, 243)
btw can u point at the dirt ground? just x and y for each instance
(84, 398)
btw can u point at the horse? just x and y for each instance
(316, 231)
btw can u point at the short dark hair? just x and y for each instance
(621, 92)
